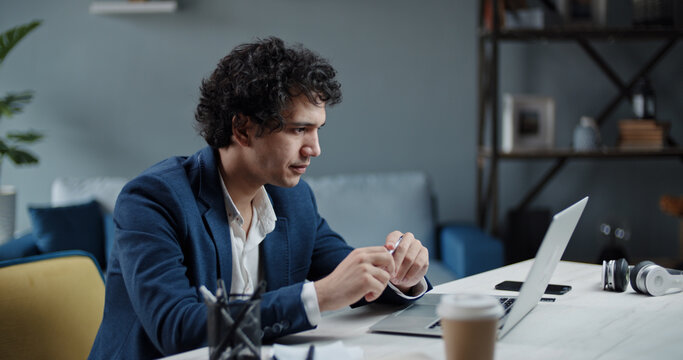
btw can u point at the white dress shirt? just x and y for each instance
(247, 271)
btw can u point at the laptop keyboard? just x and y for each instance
(507, 304)
(505, 301)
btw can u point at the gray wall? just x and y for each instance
(115, 94)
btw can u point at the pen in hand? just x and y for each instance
(396, 245)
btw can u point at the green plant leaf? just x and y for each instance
(11, 37)
(13, 103)
(26, 137)
(3, 148)
(21, 157)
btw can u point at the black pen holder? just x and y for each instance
(234, 330)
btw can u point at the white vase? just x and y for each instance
(586, 135)
(8, 199)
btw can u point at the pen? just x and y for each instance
(247, 306)
(311, 349)
(396, 245)
(221, 291)
(208, 296)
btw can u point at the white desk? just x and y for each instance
(586, 323)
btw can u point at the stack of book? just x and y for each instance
(642, 134)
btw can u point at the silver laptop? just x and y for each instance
(420, 318)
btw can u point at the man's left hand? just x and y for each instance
(410, 257)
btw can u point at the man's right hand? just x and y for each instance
(364, 273)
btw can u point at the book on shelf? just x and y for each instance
(509, 8)
(642, 134)
(646, 134)
(640, 147)
(642, 124)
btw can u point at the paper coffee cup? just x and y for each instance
(469, 324)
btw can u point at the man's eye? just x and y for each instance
(300, 130)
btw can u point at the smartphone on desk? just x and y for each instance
(552, 289)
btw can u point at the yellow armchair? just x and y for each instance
(50, 306)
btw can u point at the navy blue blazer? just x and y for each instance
(172, 236)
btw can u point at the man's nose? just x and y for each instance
(312, 147)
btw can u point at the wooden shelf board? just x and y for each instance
(132, 7)
(591, 33)
(599, 154)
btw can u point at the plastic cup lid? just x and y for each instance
(469, 306)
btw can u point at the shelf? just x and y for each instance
(590, 33)
(489, 50)
(132, 7)
(598, 154)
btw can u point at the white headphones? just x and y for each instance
(646, 277)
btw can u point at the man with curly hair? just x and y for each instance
(237, 210)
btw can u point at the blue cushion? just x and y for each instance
(466, 250)
(74, 227)
(19, 247)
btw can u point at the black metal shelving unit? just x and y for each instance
(489, 156)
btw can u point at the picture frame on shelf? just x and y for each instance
(528, 122)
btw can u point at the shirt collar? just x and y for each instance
(266, 214)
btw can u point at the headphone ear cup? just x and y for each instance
(615, 275)
(634, 275)
(657, 280)
(621, 275)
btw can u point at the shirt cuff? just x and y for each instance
(310, 300)
(415, 292)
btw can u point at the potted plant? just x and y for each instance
(12, 142)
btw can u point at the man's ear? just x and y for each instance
(240, 129)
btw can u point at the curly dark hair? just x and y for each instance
(258, 80)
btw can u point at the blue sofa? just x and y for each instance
(363, 208)
(79, 217)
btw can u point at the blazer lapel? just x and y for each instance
(275, 256)
(210, 195)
